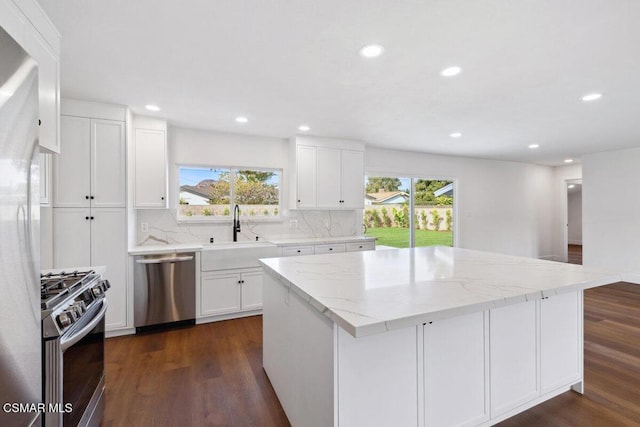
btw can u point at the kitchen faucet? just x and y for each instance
(236, 222)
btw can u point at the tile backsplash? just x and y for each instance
(163, 227)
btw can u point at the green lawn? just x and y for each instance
(399, 237)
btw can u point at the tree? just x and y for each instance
(424, 193)
(254, 176)
(375, 184)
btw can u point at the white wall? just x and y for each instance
(574, 208)
(502, 207)
(611, 210)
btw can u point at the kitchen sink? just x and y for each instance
(229, 255)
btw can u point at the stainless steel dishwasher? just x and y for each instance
(165, 289)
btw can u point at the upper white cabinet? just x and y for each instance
(150, 163)
(27, 23)
(91, 170)
(327, 174)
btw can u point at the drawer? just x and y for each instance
(297, 250)
(361, 246)
(330, 248)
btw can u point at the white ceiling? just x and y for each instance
(282, 63)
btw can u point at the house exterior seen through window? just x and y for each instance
(210, 193)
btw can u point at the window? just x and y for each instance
(408, 212)
(211, 193)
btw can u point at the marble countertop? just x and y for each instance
(319, 240)
(187, 247)
(375, 291)
(165, 249)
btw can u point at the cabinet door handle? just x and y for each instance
(299, 251)
(330, 249)
(92, 197)
(91, 218)
(298, 200)
(86, 197)
(86, 217)
(162, 198)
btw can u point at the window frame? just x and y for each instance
(232, 169)
(412, 180)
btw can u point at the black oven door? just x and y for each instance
(83, 367)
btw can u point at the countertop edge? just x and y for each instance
(384, 325)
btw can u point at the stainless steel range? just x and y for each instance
(73, 310)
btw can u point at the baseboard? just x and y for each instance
(120, 332)
(575, 242)
(228, 316)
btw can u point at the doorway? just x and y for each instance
(574, 221)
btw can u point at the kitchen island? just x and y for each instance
(431, 336)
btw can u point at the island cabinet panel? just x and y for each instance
(456, 371)
(377, 378)
(561, 340)
(514, 362)
(298, 356)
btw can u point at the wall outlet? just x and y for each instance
(144, 227)
(293, 223)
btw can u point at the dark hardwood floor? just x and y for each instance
(205, 375)
(574, 253)
(211, 375)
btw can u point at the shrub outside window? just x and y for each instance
(210, 193)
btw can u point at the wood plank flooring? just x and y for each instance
(211, 375)
(574, 253)
(205, 375)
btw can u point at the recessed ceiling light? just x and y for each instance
(533, 146)
(591, 97)
(152, 107)
(241, 119)
(304, 128)
(455, 135)
(371, 51)
(451, 71)
(568, 160)
(571, 186)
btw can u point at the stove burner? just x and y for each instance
(54, 285)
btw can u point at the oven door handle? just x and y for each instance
(66, 342)
(164, 260)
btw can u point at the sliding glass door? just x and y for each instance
(404, 212)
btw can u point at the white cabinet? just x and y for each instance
(27, 23)
(90, 172)
(330, 248)
(514, 363)
(352, 175)
(560, 340)
(328, 174)
(95, 236)
(297, 250)
(150, 164)
(89, 198)
(329, 194)
(307, 181)
(456, 371)
(230, 292)
(368, 245)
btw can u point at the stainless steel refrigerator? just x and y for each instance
(20, 324)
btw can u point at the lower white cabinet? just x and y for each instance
(560, 340)
(84, 237)
(456, 371)
(230, 292)
(483, 367)
(513, 347)
(328, 248)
